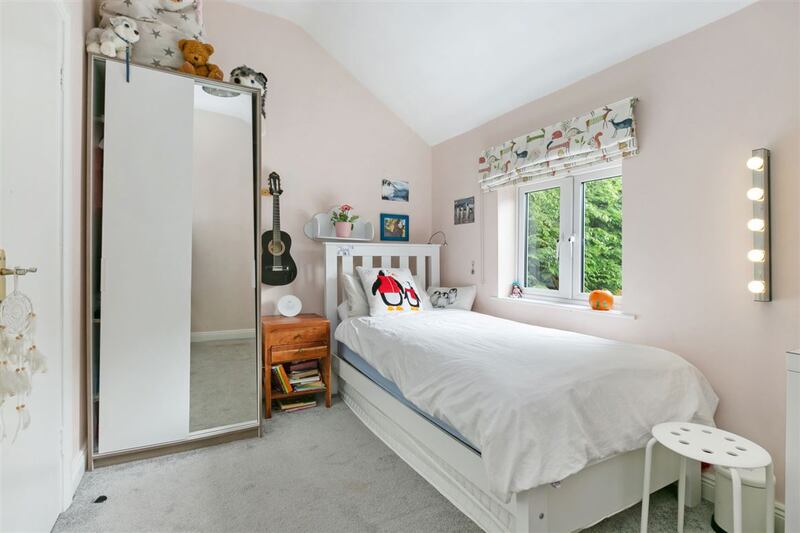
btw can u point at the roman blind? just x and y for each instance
(584, 143)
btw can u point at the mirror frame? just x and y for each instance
(96, 63)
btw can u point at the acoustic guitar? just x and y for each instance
(277, 265)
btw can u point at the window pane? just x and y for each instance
(543, 228)
(602, 235)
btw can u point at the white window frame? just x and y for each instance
(571, 235)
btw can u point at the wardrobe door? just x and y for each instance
(145, 304)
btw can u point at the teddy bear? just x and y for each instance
(113, 39)
(196, 56)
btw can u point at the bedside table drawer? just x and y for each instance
(284, 354)
(298, 335)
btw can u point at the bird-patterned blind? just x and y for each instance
(598, 139)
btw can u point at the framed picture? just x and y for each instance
(394, 190)
(394, 227)
(464, 211)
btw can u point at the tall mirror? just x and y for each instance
(222, 388)
(173, 201)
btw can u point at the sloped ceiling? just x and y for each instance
(447, 67)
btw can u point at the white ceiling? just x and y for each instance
(447, 67)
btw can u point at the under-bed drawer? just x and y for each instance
(283, 354)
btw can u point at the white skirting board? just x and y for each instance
(708, 487)
(225, 335)
(78, 470)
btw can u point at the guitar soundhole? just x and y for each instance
(276, 248)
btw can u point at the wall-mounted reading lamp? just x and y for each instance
(759, 226)
(444, 237)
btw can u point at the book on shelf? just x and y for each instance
(303, 374)
(303, 365)
(313, 386)
(297, 404)
(282, 378)
(298, 381)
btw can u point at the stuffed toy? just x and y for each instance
(248, 77)
(175, 5)
(113, 39)
(196, 56)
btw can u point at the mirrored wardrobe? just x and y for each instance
(173, 251)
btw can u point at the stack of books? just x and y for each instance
(304, 376)
(297, 404)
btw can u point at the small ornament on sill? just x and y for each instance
(601, 300)
(516, 290)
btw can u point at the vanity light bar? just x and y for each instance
(759, 226)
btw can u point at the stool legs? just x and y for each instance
(648, 463)
(681, 494)
(770, 486)
(737, 501)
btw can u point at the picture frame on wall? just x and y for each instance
(394, 190)
(464, 211)
(394, 227)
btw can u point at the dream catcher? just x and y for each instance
(20, 359)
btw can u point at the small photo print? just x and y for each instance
(464, 211)
(394, 227)
(394, 190)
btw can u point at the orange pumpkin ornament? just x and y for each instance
(601, 300)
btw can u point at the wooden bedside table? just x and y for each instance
(299, 338)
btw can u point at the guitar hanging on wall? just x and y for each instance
(277, 265)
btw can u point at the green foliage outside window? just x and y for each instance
(543, 232)
(602, 227)
(602, 219)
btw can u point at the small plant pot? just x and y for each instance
(343, 229)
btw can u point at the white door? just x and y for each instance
(31, 174)
(145, 301)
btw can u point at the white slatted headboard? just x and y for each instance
(422, 259)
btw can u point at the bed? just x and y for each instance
(449, 392)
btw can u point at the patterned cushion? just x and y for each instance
(452, 297)
(390, 291)
(161, 26)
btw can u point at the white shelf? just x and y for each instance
(320, 228)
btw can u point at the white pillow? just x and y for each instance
(342, 311)
(390, 290)
(354, 295)
(452, 297)
(356, 298)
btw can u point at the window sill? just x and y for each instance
(575, 308)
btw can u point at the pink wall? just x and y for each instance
(329, 138)
(706, 100)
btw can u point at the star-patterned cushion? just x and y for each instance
(160, 28)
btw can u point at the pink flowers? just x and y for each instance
(342, 214)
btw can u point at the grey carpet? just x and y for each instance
(222, 389)
(318, 470)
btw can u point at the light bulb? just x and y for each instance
(755, 194)
(756, 256)
(756, 286)
(755, 163)
(755, 224)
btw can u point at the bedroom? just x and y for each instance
(389, 108)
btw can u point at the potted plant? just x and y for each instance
(343, 220)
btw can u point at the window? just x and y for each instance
(571, 236)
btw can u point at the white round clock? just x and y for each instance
(289, 305)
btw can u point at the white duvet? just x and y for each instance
(539, 403)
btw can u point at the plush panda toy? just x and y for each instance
(248, 77)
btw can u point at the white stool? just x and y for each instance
(714, 446)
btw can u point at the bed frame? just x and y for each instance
(455, 470)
